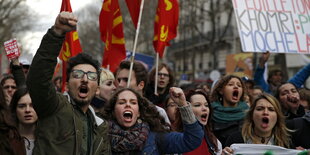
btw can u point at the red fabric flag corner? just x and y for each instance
(134, 10)
(111, 29)
(166, 22)
(70, 47)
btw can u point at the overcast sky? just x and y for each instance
(47, 11)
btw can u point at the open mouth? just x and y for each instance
(204, 117)
(265, 122)
(235, 94)
(127, 115)
(83, 91)
(292, 99)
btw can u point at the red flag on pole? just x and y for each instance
(166, 22)
(111, 28)
(134, 10)
(70, 47)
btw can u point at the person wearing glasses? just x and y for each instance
(9, 87)
(165, 80)
(66, 125)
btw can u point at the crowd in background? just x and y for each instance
(98, 114)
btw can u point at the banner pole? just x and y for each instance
(156, 74)
(135, 44)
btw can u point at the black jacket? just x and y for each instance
(301, 133)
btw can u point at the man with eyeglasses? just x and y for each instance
(9, 87)
(67, 124)
(165, 80)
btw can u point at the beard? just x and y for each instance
(80, 102)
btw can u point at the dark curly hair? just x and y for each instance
(82, 58)
(216, 95)
(148, 111)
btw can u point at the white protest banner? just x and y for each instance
(279, 26)
(255, 149)
(11, 49)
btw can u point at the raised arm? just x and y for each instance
(193, 134)
(39, 80)
(259, 72)
(299, 78)
(18, 73)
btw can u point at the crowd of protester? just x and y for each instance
(97, 113)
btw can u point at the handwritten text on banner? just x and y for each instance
(274, 25)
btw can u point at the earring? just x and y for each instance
(220, 98)
(139, 120)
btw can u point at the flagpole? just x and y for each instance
(156, 74)
(108, 67)
(135, 44)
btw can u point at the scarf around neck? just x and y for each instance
(223, 114)
(132, 139)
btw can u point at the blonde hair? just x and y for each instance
(280, 131)
(105, 75)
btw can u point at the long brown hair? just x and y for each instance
(280, 131)
(148, 111)
(11, 141)
(207, 128)
(5, 115)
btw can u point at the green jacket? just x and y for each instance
(59, 130)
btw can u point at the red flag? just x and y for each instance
(70, 47)
(111, 28)
(134, 10)
(166, 22)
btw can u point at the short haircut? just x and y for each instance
(82, 58)
(105, 75)
(304, 94)
(161, 66)
(138, 68)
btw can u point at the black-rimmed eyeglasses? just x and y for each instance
(78, 74)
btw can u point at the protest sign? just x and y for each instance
(255, 149)
(279, 26)
(11, 49)
(240, 64)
